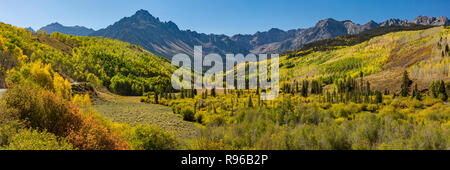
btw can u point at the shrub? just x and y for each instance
(199, 117)
(151, 138)
(41, 109)
(8, 130)
(366, 134)
(28, 139)
(345, 110)
(428, 137)
(204, 143)
(92, 135)
(188, 114)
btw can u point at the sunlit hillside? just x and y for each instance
(122, 67)
(40, 109)
(382, 59)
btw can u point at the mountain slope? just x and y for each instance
(382, 59)
(122, 67)
(74, 30)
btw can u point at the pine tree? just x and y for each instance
(366, 98)
(250, 103)
(406, 85)
(304, 91)
(213, 92)
(156, 98)
(416, 93)
(316, 87)
(434, 88)
(386, 92)
(368, 91)
(361, 75)
(378, 97)
(182, 93)
(442, 91)
(259, 100)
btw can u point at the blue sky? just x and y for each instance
(216, 16)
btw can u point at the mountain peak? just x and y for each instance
(142, 12)
(143, 17)
(55, 24)
(372, 24)
(273, 30)
(394, 22)
(424, 20)
(30, 29)
(325, 22)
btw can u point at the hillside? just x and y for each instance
(122, 67)
(382, 59)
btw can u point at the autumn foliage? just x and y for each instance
(39, 97)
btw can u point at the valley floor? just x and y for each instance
(129, 110)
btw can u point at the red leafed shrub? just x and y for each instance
(42, 109)
(91, 135)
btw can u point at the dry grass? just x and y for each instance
(54, 43)
(129, 110)
(1, 92)
(388, 79)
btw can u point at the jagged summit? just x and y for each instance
(424, 20)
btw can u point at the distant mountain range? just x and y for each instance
(166, 39)
(70, 30)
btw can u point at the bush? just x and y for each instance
(8, 130)
(199, 117)
(151, 138)
(92, 135)
(345, 110)
(188, 114)
(41, 109)
(28, 139)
